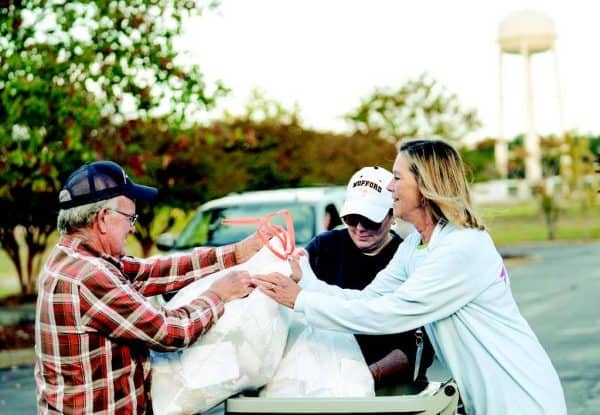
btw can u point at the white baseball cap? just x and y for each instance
(366, 194)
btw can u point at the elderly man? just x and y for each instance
(94, 322)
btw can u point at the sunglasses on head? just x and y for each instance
(354, 220)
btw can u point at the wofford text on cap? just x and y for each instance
(367, 183)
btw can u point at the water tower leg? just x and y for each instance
(565, 158)
(561, 115)
(533, 167)
(501, 146)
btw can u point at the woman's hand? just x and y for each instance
(279, 287)
(294, 260)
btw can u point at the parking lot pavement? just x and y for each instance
(557, 291)
(17, 390)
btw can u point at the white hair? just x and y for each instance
(82, 216)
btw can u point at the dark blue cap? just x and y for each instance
(101, 180)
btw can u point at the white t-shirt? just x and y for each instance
(458, 288)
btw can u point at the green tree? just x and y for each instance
(516, 158)
(480, 161)
(578, 162)
(419, 108)
(260, 108)
(69, 71)
(148, 147)
(277, 151)
(570, 157)
(192, 164)
(266, 147)
(550, 207)
(577, 171)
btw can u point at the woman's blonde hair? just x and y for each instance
(440, 176)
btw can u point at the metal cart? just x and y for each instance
(437, 399)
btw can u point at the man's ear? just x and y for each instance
(100, 221)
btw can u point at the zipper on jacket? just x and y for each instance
(419, 352)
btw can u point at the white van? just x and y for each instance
(308, 206)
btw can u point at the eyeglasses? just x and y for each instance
(354, 220)
(132, 218)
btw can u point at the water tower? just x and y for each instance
(525, 33)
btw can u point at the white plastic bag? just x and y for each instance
(240, 352)
(318, 362)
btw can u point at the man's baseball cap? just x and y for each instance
(366, 194)
(100, 180)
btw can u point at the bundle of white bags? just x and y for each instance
(240, 351)
(244, 350)
(320, 363)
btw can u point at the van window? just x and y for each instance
(206, 227)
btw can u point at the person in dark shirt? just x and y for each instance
(351, 257)
(331, 219)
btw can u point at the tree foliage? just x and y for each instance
(480, 161)
(69, 71)
(567, 166)
(200, 163)
(419, 108)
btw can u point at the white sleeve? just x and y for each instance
(385, 281)
(451, 275)
(396, 272)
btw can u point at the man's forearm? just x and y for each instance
(395, 363)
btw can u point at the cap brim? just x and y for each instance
(374, 212)
(141, 192)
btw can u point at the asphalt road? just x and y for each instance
(558, 292)
(556, 287)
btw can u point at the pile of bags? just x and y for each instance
(256, 343)
(320, 363)
(240, 351)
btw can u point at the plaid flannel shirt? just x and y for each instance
(95, 326)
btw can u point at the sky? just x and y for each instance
(326, 55)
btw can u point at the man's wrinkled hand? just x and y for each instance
(236, 284)
(249, 246)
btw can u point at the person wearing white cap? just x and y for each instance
(351, 257)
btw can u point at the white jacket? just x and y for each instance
(458, 288)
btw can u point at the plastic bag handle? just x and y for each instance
(286, 235)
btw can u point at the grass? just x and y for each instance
(524, 223)
(508, 224)
(8, 281)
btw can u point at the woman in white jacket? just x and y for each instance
(448, 277)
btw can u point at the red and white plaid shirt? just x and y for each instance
(95, 326)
